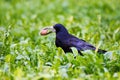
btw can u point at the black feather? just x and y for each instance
(66, 41)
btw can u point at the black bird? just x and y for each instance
(66, 40)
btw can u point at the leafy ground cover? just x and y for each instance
(25, 55)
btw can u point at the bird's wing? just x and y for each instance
(79, 44)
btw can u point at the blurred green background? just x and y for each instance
(24, 54)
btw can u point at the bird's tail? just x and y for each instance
(101, 51)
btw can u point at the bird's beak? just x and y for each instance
(47, 30)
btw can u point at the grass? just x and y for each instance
(25, 55)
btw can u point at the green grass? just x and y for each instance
(25, 55)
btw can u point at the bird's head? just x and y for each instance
(57, 28)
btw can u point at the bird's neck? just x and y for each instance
(63, 35)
